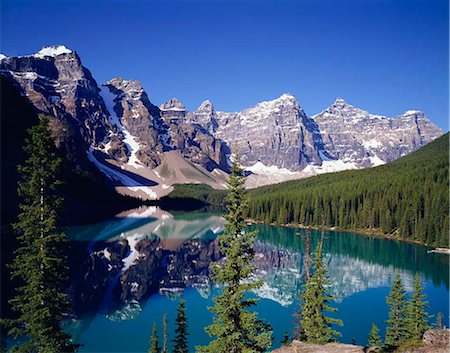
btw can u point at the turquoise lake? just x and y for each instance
(131, 270)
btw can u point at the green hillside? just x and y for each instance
(408, 197)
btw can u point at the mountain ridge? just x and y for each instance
(406, 199)
(116, 126)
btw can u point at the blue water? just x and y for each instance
(360, 267)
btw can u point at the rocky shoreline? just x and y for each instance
(440, 251)
(434, 341)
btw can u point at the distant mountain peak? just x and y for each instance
(286, 97)
(206, 106)
(413, 112)
(119, 120)
(172, 104)
(341, 103)
(206, 103)
(127, 86)
(114, 80)
(340, 100)
(52, 51)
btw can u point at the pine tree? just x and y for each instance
(314, 325)
(438, 323)
(180, 341)
(396, 331)
(307, 255)
(154, 341)
(417, 318)
(40, 262)
(164, 350)
(236, 329)
(374, 337)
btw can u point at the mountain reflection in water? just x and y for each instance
(118, 265)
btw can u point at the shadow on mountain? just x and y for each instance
(142, 181)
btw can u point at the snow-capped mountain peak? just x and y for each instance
(206, 105)
(413, 112)
(340, 103)
(53, 50)
(285, 98)
(121, 129)
(343, 105)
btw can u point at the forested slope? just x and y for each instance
(409, 198)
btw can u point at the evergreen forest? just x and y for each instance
(407, 199)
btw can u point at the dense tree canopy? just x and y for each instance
(408, 197)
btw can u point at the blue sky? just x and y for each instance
(385, 56)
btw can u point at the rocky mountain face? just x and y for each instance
(57, 84)
(139, 146)
(134, 138)
(274, 133)
(193, 140)
(277, 141)
(115, 125)
(355, 136)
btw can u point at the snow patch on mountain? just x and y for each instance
(129, 140)
(260, 168)
(354, 135)
(329, 166)
(116, 175)
(376, 161)
(52, 51)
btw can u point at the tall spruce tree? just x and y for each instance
(297, 319)
(40, 263)
(181, 330)
(315, 327)
(374, 337)
(235, 328)
(396, 331)
(438, 323)
(165, 336)
(154, 341)
(417, 316)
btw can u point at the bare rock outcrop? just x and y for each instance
(356, 136)
(301, 347)
(434, 341)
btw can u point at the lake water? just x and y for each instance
(131, 270)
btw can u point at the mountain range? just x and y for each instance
(143, 149)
